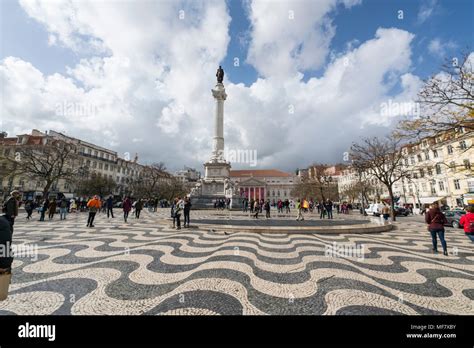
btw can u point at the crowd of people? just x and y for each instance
(324, 208)
(51, 206)
(434, 217)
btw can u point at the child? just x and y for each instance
(467, 221)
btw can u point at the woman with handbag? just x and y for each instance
(436, 221)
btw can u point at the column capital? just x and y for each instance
(219, 92)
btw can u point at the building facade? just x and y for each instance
(268, 184)
(91, 159)
(439, 169)
(187, 175)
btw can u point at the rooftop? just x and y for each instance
(258, 173)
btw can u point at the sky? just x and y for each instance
(304, 79)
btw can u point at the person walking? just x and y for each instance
(73, 205)
(44, 209)
(6, 257)
(187, 209)
(287, 206)
(245, 204)
(385, 213)
(328, 207)
(256, 209)
(63, 209)
(179, 207)
(109, 203)
(126, 206)
(52, 208)
(299, 208)
(29, 209)
(172, 212)
(467, 222)
(138, 208)
(94, 207)
(436, 221)
(10, 207)
(267, 209)
(322, 210)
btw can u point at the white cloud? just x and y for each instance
(290, 36)
(427, 8)
(151, 92)
(438, 48)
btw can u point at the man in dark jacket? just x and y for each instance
(138, 208)
(328, 207)
(11, 207)
(110, 205)
(5, 245)
(44, 208)
(186, 210)
(436, 221)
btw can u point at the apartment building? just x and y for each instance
(91, 159)
(439, 169)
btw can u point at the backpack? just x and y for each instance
(5, 205)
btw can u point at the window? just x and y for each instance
(450, 149)
(457, 185)
(433, 188)
(438, 169)
(100, 166)
(419, 158)
(412, 160)
(470, 186)
(435, 153)
(427, 155)
(406, 162)
(452, 165)
(415, 175)
(462, 145)
(467, 164)
(430, 171)
(422, 173)
(441, 186)
(106, 167)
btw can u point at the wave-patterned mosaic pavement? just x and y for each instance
(145, 267)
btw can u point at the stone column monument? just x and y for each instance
(216, 183)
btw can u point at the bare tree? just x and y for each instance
(318, 184)
(95, 185)
(381, 158)
(152, 175)
(446, 102)
(171, 189)
(47, 163)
